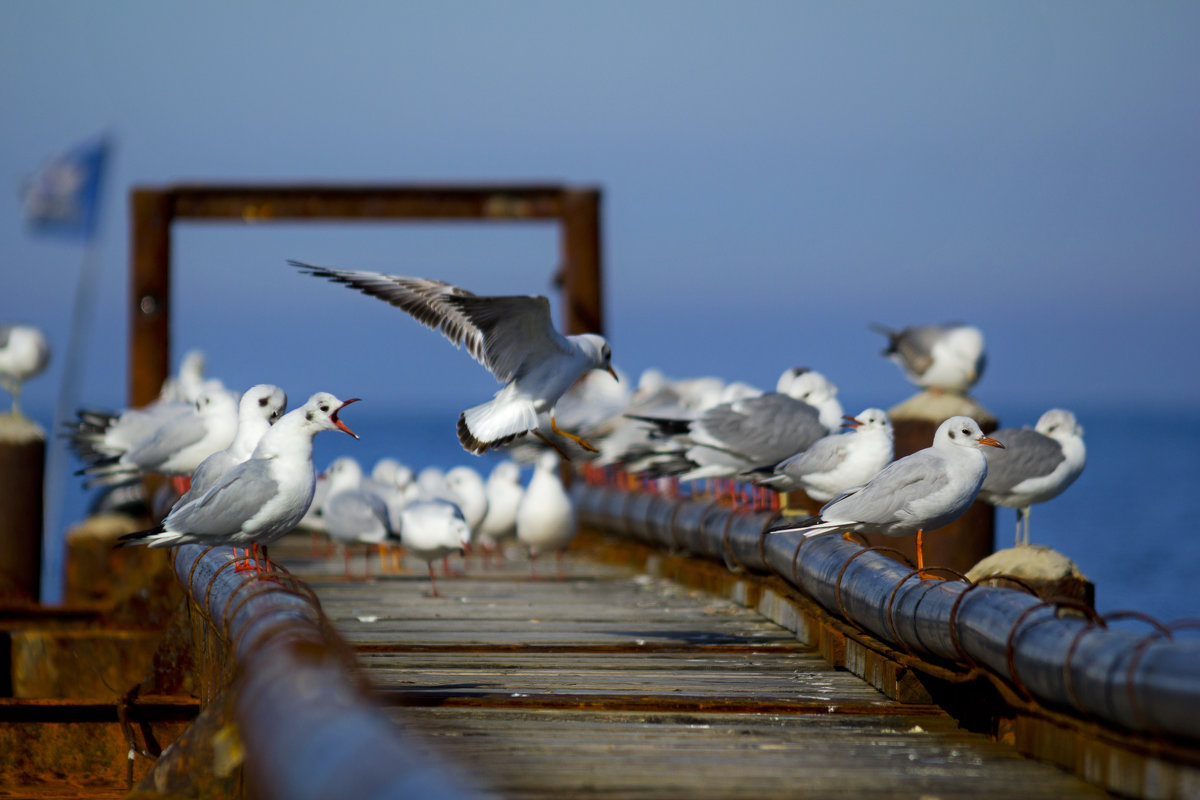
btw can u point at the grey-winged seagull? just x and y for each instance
(836, 462)
(260, 408)
(264, 497)
(177, 446)
(513, 336)
(946, 358)
(922, 491)
(1039, 465)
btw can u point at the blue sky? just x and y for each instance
(777, 175)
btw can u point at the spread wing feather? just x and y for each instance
(501, 333)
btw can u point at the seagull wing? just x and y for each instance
(1027, 454)
(239, 495)
(886, 498)
(501, 333)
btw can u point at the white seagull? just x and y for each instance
(175, 448)
(354, 514)
(947, 358)
(922, 491)
(1038, 465)
(260, 408)
(433, 529)
(23, 354)
(546, 516)
(264, 497)
(839, 461)
(514, 337)
(504, 491)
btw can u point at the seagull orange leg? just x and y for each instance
(586, 445)
(561, 453)
(432, 582)
(921, 555)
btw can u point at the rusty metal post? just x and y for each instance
(150, 215)
(583, 308)
(22, 464)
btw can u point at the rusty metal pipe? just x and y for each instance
(1144, 682)
(308, 729)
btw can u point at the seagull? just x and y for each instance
(753, 432)
(465, 488)
(177, 447)
(546, 516)
(837, 462)
(504, 491)
(23, 354)
(513, 337)
(96, 434)
(260, 408)
(945, 358)
(433, 529)
(922, 491)
(352, 513)
(1039, 465)
(264, 497)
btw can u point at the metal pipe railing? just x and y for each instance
(308, 727)
(1148, 683)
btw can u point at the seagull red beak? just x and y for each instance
(851, 422)
(989, 441)
(338, 422)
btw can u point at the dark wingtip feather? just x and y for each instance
(795, 525)
(137, 536)
(474, 445)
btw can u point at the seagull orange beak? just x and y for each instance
(990, 442)
(851, 422)
(338, 422)
(612, 372)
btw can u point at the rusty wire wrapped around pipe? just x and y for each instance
(1147, 682)
(309, 730)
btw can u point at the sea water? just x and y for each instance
(1127, 522)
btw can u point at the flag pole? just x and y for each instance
(58, 462)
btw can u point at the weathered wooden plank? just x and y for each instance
(571, 753)
(615, 684)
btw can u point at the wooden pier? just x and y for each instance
(617, 682)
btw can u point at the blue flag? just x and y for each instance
(63, 198)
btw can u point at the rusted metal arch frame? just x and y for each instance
(1145, 683)
(308, 728)
(153, 210)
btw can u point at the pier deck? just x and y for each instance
(617, 683)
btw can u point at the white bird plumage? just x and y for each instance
(546, 520)
(264, 497)
(512, 336)
(922, 491)
(24, 353)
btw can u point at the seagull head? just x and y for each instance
(1058, 423)
(596, 347)
(963, 432)
(322, 409)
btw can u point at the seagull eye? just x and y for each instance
(325, 409)
(262, 401)
(966, 432)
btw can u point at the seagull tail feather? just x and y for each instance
(140, 537)
(494, 424)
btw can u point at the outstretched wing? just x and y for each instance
(501, 333)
